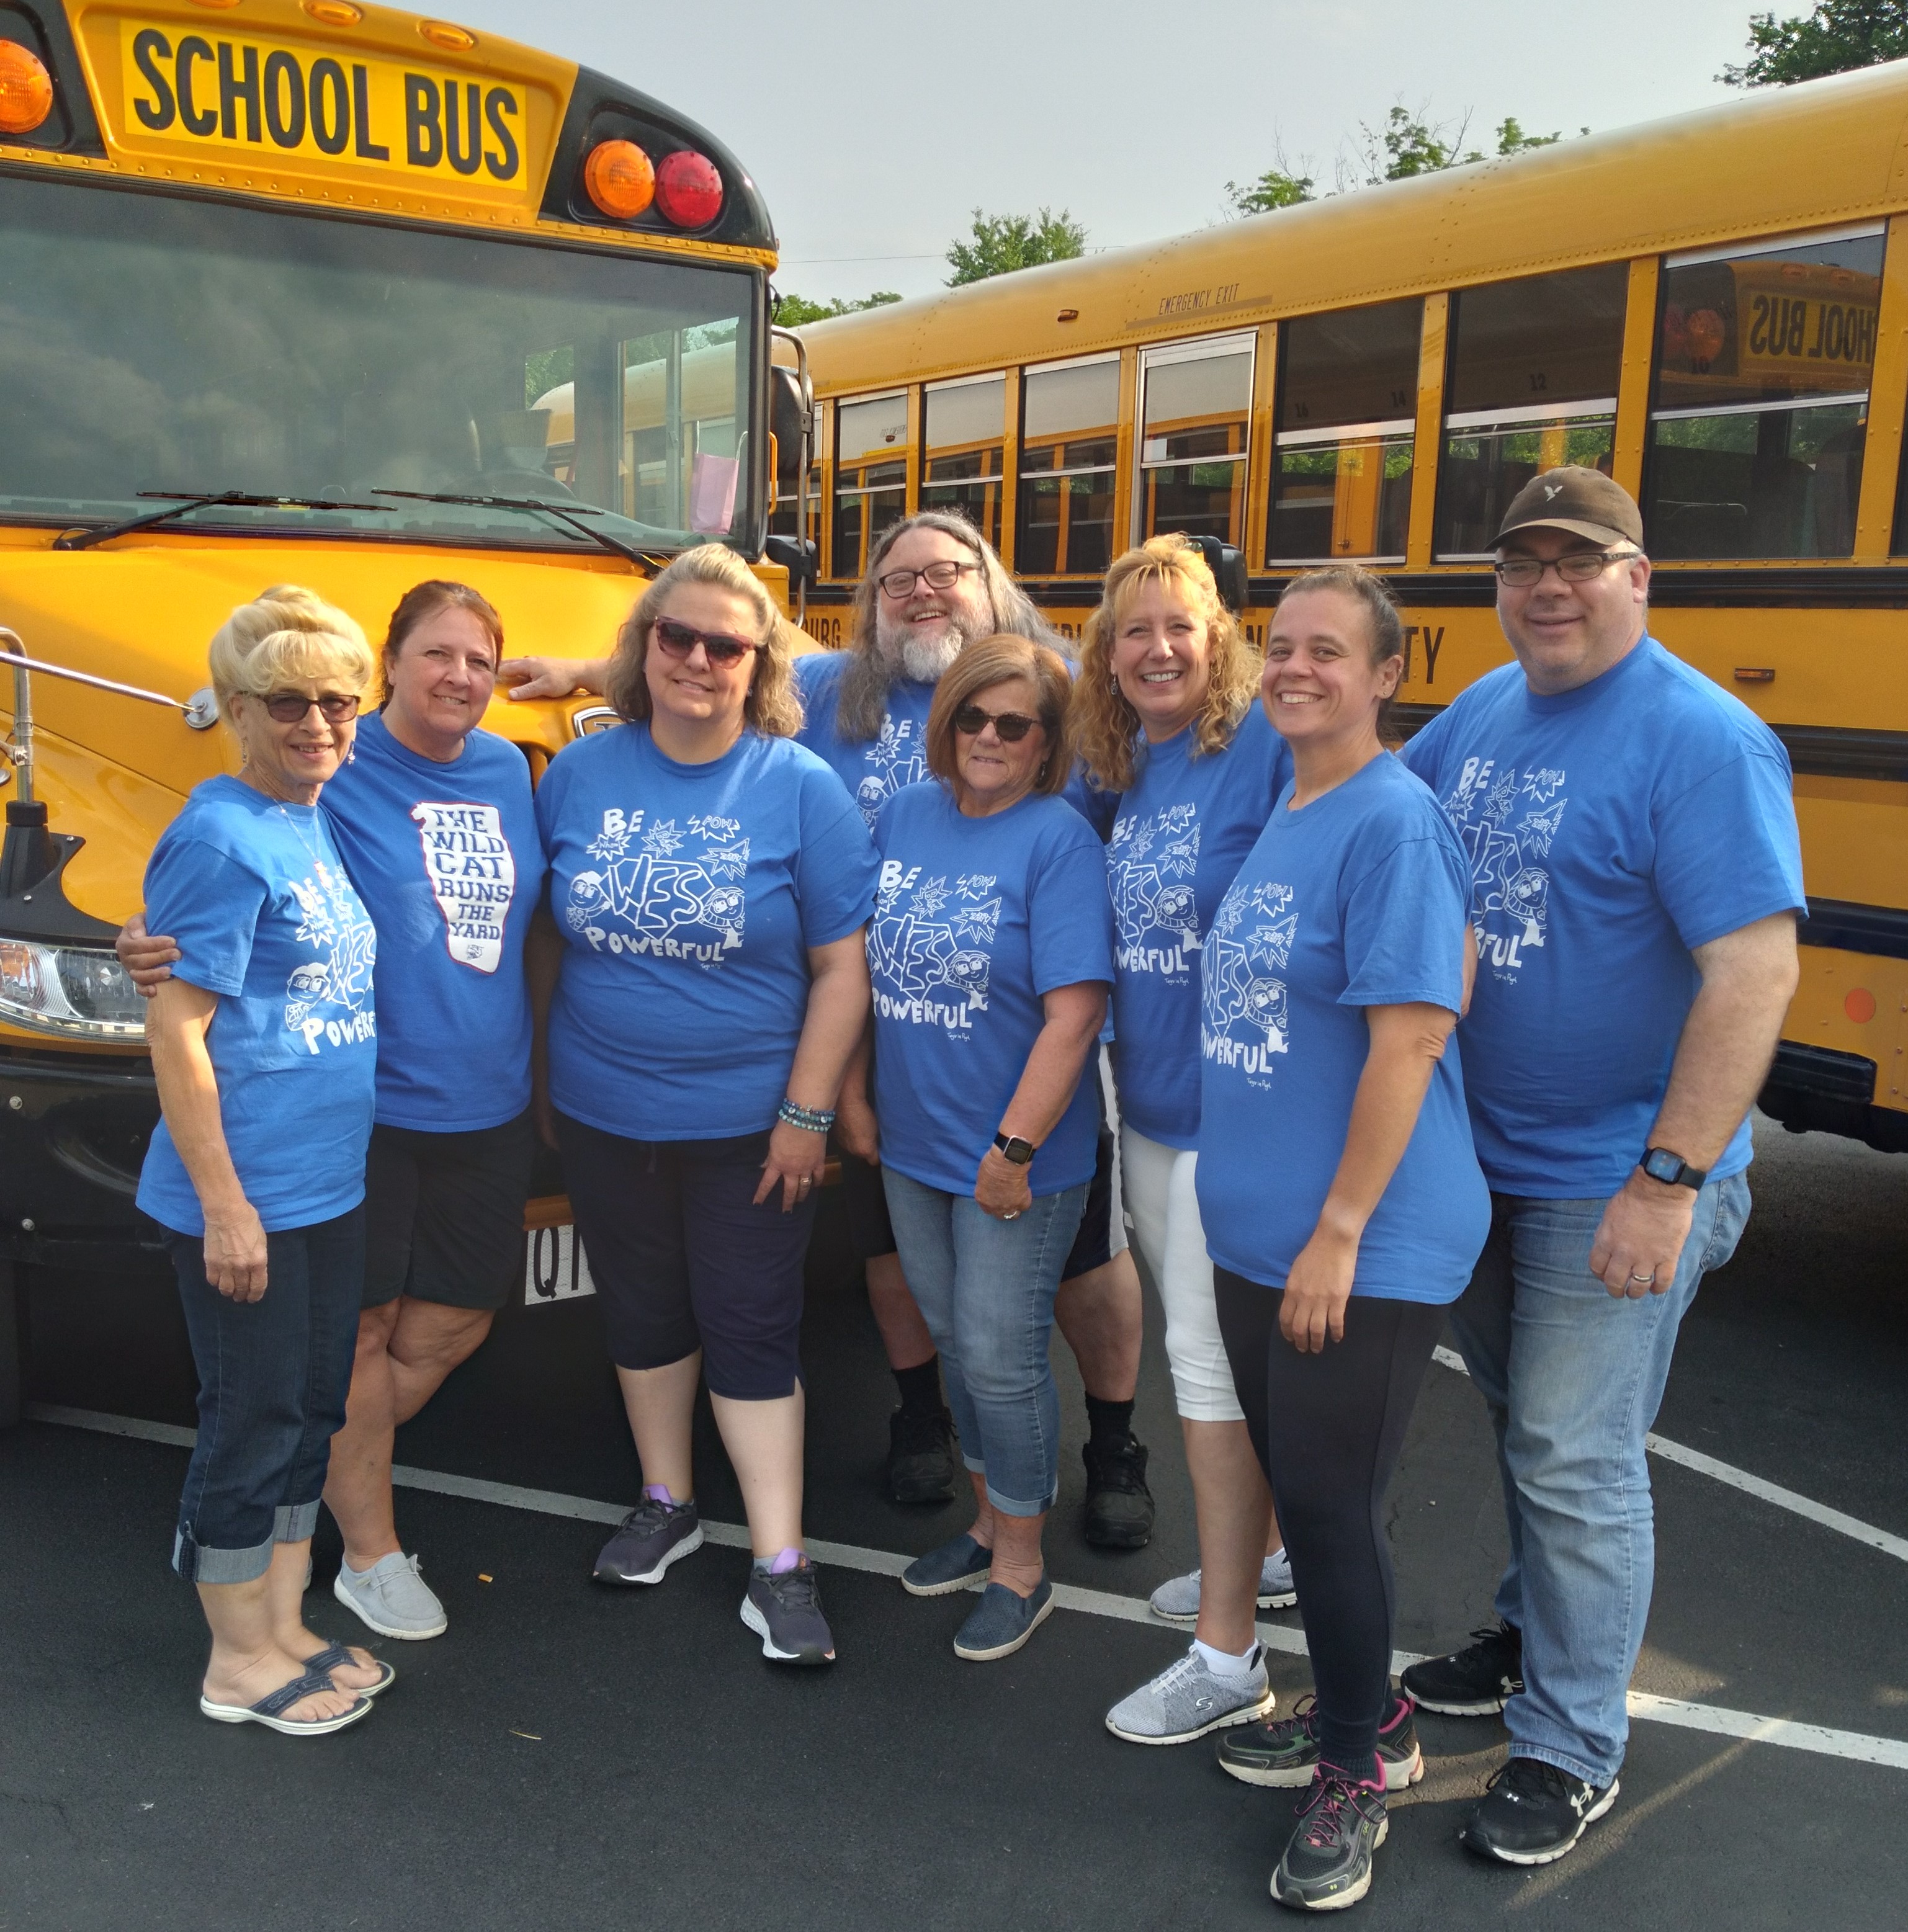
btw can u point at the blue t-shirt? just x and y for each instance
(689, 896)
(1177, 841)
(1610, 829)
(977, 919)
(874, 769)
(1357, 900)
(257, 896)
(447, 859)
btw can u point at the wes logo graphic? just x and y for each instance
(664, 890)
(473, 873)
(930, 947)
(1244, 1017)
(203, 92)
(328, 999)
(1507, 821)
(1150, 865)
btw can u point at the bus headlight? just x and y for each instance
(68, 990)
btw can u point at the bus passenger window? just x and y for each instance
(1070, 429)
(1532, 385)
(781, 521)
(964, 432)
(1342, 466)
(1762, 361)
(871, 476)
(1195, 403)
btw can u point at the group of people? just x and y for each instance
(1465, 1031)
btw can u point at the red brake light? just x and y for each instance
(688, 189)
(26, 90)
(619, 178)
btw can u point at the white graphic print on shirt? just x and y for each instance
(328, 999)
(1150, 867)
(1506, 822)
(473, 873)
(930, 959)
(897, 758)
(690, 907)
(1243, 1017)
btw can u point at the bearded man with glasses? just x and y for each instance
(1638, 877)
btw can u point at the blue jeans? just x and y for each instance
(986, 1288)
(273, 1377)
(1573, 1378)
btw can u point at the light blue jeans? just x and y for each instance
(1573, 1377)
(986, 1288)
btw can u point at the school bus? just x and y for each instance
(1713, 309)
(307, 291)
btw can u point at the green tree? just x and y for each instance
(999, 243)
(1277, 187)
(1840, 34)
(792, 310)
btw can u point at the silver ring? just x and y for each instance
(1645, 1279)
(1012, 1214)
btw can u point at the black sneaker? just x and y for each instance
(1285, 1751)
(1119, 1504)
(1533, 1813)
(653, 1535)
(1328, 1863)
(784, 1611)
(921, 1457)
(1477, 1682)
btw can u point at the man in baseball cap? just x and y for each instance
(1638, 877)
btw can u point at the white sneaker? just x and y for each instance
(392, 1596)
(1187, 1700)
(1177, 1600)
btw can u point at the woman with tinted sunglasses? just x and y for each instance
(991, 956)
(704, 984)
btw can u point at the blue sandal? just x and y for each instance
(269, 1710)
(336, 1656)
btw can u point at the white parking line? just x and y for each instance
(1745, 1724)
(1797, 1504)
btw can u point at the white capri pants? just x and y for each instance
(1163, 1213)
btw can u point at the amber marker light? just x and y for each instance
(26, 89)
(335, 13)
(688, 189)
(619, 178)
(441, 34)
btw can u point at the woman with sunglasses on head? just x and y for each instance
(264, 1045)
(434, 820)
(704, 983)
(991, 956)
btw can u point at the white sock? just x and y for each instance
(1223, 1664)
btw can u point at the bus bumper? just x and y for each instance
(73, 1128)
(1815, 1088)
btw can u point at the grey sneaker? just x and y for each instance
(392, 1596)
(1187, 1700)
(784, 1611)
(651, 1537)
(1177, 1600)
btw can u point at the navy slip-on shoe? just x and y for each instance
(1002, 1621)
(953, 1566)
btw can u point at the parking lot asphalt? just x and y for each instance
(567, 1754)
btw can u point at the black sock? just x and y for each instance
(920, 1387)
(1108, 1422)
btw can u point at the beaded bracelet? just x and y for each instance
(814, 1120)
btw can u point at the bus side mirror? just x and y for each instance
(1227, 566)
(788, 423)
(800, 557)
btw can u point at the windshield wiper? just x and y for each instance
(182, 505)
(566, 514)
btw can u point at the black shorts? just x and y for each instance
(444, 1213)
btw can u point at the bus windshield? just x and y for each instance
(153, 343)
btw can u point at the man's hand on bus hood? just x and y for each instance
(553, 677)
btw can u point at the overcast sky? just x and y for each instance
(875, 127)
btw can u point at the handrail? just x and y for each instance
(802, 377)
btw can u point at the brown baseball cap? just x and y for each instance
(1584, 502)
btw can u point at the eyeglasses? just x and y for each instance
(679, 640)
(291, 707)
(941, 576)
(1577, 566)
(1013, 726)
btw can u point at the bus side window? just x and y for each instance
(1069, 432)
(1531, 384)
(1195, 403)
(871, 474)
(1761, 402)
(964, 435)
(1342, 456)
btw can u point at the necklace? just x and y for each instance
(298, 832)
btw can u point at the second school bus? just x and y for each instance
(1713, 309)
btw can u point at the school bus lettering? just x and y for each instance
(245, 94)
(1434, 642)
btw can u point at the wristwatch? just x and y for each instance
(1013, 1148)
(1660, 1164)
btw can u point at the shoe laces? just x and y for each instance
(1497, 1636)
(1332, 1809)
(1303, 1722)
(796, 1589)
(1119, 1464)
(651, 1512)
(1530, 1777)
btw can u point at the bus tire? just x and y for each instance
(13, 1344)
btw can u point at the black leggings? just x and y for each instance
(1328, 1429)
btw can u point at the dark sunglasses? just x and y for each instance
(679, 640)
(290, 707)
(970, 721)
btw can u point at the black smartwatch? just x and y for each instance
(1660, 1164)
(1013, 1148)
